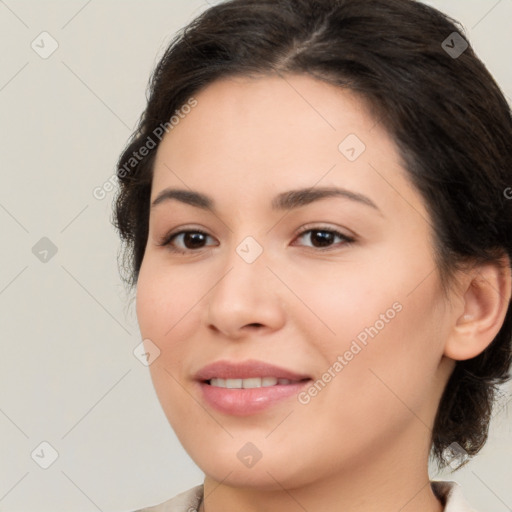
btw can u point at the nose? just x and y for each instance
(245, 298)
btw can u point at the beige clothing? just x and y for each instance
(449, 493)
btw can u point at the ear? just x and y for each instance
(485, 292)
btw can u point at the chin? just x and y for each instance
(262, 479)
(271, 472)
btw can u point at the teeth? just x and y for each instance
(254, 382)
(251, 383)
(233, 383)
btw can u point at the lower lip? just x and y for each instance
(243, 402)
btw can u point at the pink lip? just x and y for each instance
(246, 370)
(244, 402)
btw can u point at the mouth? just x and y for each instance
(247, 374)
(250, 387)
(251, 383)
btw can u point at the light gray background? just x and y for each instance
(68, 375)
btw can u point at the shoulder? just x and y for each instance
(187, 501)
(450, 494)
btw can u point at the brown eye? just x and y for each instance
(193, 240)
(186, 241)
(324, 238)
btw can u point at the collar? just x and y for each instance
(448, 492)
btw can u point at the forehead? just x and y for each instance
(273, 117)
(290, 131)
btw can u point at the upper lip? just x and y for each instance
(246, 370)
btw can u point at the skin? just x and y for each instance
(362, 443)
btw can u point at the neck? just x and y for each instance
(388, 482)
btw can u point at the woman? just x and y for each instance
(316, 221)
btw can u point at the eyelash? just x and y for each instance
(167, 240)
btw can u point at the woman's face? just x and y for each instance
(336, 293)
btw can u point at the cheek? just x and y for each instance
(346, 302)
(168, 307)
(390, 352)
(158, 312)
(387, 328)
(163, 300)
(146, 300)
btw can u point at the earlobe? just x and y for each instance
(485, 295)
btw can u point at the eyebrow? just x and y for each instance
(283, 201)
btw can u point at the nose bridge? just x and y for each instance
(245, 274)
(244, 294)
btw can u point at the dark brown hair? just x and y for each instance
(449, 119)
